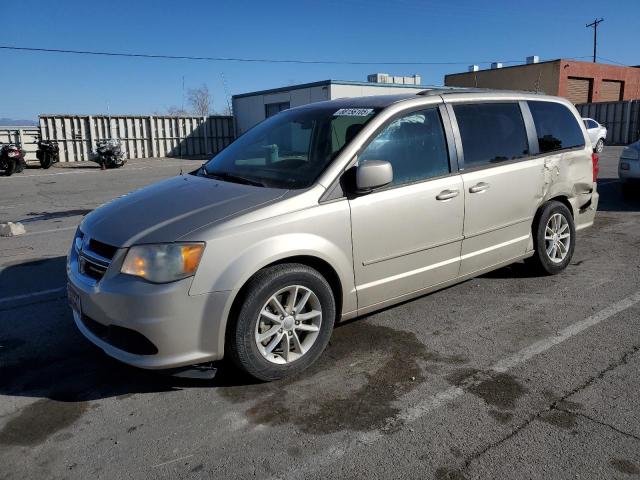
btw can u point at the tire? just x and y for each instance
(599, 145)
(251, 320)
(46, 161)
(542, 261)
(11, 168)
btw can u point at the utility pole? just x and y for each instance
(595, 35)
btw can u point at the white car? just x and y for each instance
(629, 167)
(597, 133)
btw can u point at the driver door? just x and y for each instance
(407, 235)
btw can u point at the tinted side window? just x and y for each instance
(556, 126)
(491, 133)
(592, 124)
(415, 145)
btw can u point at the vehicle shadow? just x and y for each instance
(43, 355)
(515, 270)
(612, 198)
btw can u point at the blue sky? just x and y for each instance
(360, 30)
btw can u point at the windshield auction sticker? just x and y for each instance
(353, 112)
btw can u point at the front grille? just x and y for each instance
(102, 249)
(90, 268)
(94, 258)
(120, 337)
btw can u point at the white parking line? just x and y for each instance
(435, 401)
(25, 296)
(572, 330)
(53, 230)
(172, 461)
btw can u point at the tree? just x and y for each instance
(177, 111)
(200, 100)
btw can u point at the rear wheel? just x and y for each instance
(553, 238)
(599, 145)
(284, 323)
(9, 167)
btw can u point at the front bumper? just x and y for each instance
(182, 329)
(630, 173)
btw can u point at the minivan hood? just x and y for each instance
(168, 210)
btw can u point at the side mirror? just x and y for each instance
(372, 174)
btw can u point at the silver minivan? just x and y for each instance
(326, 212)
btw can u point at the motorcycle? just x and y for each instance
(12, 159)
(109, 153)
(48, 153)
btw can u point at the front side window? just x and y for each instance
(556, 127)
(414, 144)
(491, 133)
(289, 150)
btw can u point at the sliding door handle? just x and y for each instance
(447, 194)
(479, 187)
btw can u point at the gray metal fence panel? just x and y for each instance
(142, 136)
(622, 119)
(25, 136)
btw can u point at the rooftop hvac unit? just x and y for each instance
(474, 68)
(495, 65)
(379, 78)
(533, 59)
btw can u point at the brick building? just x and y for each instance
(580, 82)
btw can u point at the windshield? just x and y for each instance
(289, 150)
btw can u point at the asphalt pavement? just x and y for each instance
(504, 376)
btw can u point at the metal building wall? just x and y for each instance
(622, 119)
(142, 136)
(250, 110)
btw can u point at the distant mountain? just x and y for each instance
(17, 123)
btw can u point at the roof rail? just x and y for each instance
(445, 90)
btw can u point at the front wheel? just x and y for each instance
(599, 145)
(553, 239)
(284, 323)
(46, 161)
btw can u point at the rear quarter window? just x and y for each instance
(491, 133)
(556, 127)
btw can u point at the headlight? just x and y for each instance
(163, 263)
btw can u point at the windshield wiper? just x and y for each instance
(232, 178)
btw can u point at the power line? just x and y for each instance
(235, 59)
(612, 61)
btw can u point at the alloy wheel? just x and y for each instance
(557, 238)
(288, 324)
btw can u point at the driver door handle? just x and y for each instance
(447, 194)
(479, 187)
